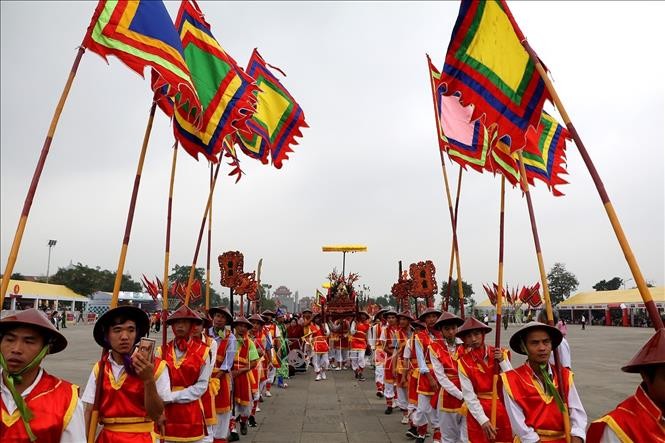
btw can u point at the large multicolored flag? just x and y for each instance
(501, 161)
(141, 34)
(278, 118)
(467, 142)
(545, 153)
(488, 65)
(225, 90)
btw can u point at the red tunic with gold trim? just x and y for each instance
(394, 337)
(637, 419)
(122, 407)
(258, 371)
(401, 369)
(540, 410)
(242, 384)
(424, 339)
(223, 397)
(413, 372)
(52, 402)
(481, 373)
(208, 397)
(275, 362)
(318, 338)
(447, 402)
(359, 339)
(184, 421)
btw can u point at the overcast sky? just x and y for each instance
(366, 171)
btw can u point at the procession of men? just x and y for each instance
(436, 375)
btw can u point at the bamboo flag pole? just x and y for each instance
(132, 207)
(453, 245)
(453, 222)
(167, 248)
(209, 247)
(605, 199)
(546, 290)
(27, 204)
(499, 299)
(190, 280)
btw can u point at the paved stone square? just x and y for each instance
(342, 409)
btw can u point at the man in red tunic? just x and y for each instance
(445, 353)
(316, 332)
(190, 367)
(531, 391)
(390, 340)
(226, 349)
(358, 336)
(401, 365)
(373, 339)
(35, 405)
(134, 386)
(246, 359)
(427, 387)
(200, 333)
(476, 373)
(641, 417)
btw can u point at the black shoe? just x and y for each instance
(420, 440)
(243, 428)
(261, 399)
(412, 432)
(379, 394)
(361, 378)
(389, 410)
(252, 421)
(234, 436)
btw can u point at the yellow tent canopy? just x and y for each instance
(344, 248)
(613, 299)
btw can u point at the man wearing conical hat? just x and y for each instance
(281, 348)
(358, 342)
(274, 362)
(399, 365)
(390, 341)
(260, 371)
(200, 333)
(445, 354)
(378, 323)
(427, 388)
(476, 372)
(641, 417)
(190, 367)
(134, 385)
(226, 349)
(246, 359)
(531, 391)
(411, 360)
(316, 332)
(35, 405)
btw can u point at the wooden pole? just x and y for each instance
(651, 308)
(499, 299)
(132, 207)
(209, 246)
(546, 290)
(190, 280)
(27, 204)
(167, 248)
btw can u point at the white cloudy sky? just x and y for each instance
(367, 170)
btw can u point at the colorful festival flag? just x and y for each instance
(278, 118)
(545, 153)
(225, 90)
(501, 161)
(140, 34)
(466, 142)
(488, 65)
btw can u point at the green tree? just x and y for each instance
(386, 300)
(467, 289)
(85, 280)
(610, 285)
(17, 276)
(561, 283)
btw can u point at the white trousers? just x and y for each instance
(357, 359)
(379, 372)
(453, 427)
(221, 429)
(243, 410)
(271, 374)
(320, 361)
(402, 398)
(425, 413)
(389, 390)
(208, 438)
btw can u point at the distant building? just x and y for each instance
(100, 301)
(24, 294)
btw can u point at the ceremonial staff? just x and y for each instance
(167, 249)
(209, 243)
(27, 204)
(656, 320)
(190, 280)
(546, 292)
(499, 299)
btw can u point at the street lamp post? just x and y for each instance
(625, 281)
(51, 243)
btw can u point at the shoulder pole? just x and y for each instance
(167, 249)
(27, 204)
(656, 320)
(499, 299)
